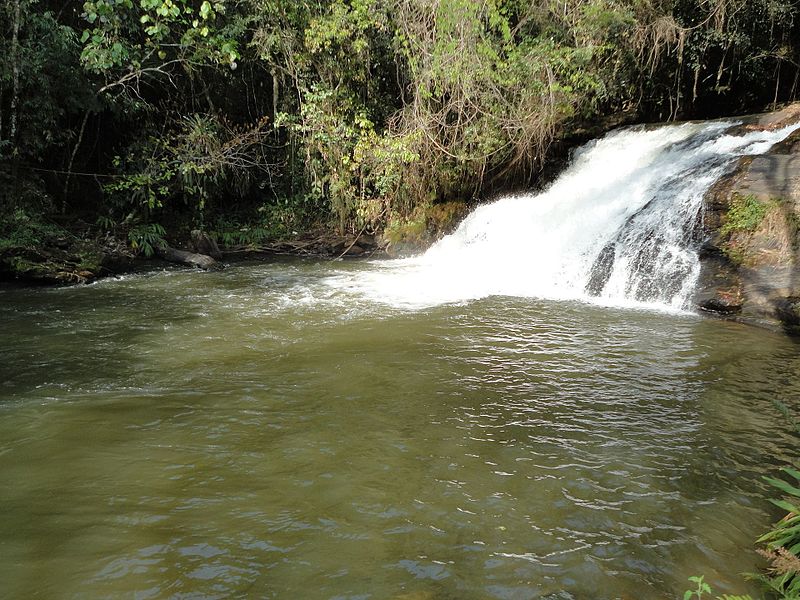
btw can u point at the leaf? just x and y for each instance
(783, 486)
(787, 506)
(687, 594)
(794, 473)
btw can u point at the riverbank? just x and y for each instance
(39, 251)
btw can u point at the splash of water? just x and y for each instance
(619, 227)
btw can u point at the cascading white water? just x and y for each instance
(618, 227)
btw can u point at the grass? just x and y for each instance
(745, 214)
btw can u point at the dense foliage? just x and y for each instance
(280, 114)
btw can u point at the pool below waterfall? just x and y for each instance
(267, 431)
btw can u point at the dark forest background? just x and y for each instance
(261, 119)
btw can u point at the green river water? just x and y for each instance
(259, 433)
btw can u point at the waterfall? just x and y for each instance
(619, 227)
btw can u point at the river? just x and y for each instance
(268, 432)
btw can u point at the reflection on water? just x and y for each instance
(258, 433)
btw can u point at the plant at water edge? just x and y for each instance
(703, 588)
(783, 541)
(146, 238)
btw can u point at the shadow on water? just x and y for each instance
(58, 339)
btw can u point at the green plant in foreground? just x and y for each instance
(703, 588)
(783, 541)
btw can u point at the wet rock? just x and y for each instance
(788, 310)
(117, 262)
(353, 247)
(772, 176)
(722, 304)
(602, 269)
(78, 263)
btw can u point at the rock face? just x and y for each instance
(751, 257)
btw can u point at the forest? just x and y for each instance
(136, 121)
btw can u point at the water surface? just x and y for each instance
(261, 432)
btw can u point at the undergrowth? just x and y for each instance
(25, 229)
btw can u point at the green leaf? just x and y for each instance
(787, 506)
(205, 10)
(794, 473)
(687, 594)
(783, 486)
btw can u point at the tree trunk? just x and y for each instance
(2, 94)
(72, 161)
(14, 117)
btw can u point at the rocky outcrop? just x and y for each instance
(751, 256)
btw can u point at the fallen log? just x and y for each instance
(202, 243)
(192, 259)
